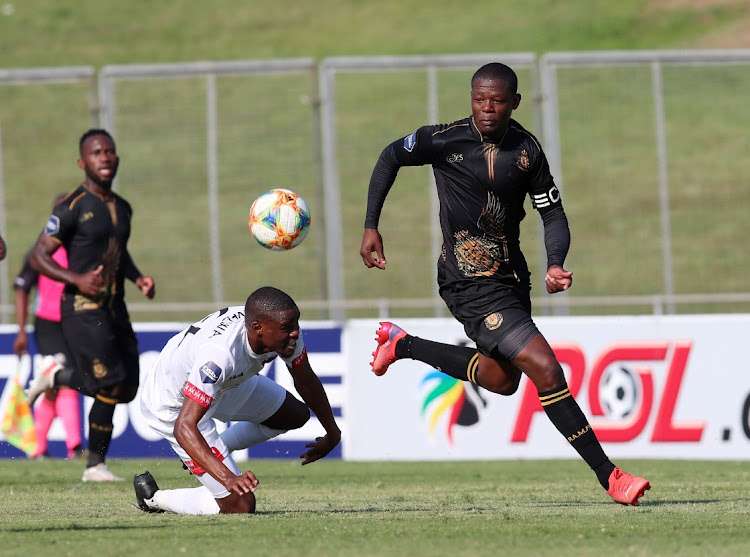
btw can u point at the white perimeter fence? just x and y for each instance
(648, 147)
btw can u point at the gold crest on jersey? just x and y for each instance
(82, 303)
(99, 369)
(522, 162)
(493, 321)
(476, 256)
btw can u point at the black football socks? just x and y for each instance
(459, 362)
(564, 412)
(100, 430)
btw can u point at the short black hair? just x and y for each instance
(267, 302)
(499, 72)
(92, 132)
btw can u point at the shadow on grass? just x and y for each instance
(76, 527)
(367, 510)
(642, 503)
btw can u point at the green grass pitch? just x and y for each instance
(332, 507)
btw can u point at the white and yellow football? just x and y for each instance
(279, 219)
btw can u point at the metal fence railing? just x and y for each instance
(649, 148)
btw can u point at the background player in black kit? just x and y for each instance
(485, 166)
(93, 223)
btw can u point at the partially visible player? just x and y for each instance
(61, 402)
(3, 249)
(209, 372)
(93, 224)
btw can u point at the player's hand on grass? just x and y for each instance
(320, 448)
(90, 283)
(242, 484)
(558, 279)
(372, 242)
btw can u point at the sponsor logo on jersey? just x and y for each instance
(455, 157)
(86, 216)
(410, 141)
(493, 321)
(210, 372)
(53, 225)
(194, 393)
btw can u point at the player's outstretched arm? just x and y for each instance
(311, 390)
(189, 437)
(319, 449)
(372, 243)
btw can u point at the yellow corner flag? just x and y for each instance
(18, 424)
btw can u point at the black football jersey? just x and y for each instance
(95, 231)
(482, 187)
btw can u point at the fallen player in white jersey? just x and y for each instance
(209, 372)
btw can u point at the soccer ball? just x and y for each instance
(279, 219)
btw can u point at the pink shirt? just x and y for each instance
(50, 291)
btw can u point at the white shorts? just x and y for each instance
(255, 400)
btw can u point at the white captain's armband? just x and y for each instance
(545, 199)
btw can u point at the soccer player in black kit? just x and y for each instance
(485, 166)
(93, 223)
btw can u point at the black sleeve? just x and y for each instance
(27, 277)
(130, 271)
(556, 235)
(383, 176)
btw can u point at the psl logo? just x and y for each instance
(621, 392)
(458, 402)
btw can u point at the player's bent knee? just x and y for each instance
(500, 378)
(509, 388)
(505, 386)
(117, 394)
(300, 417)
(237, 504)
(128, 393)
(108, 395)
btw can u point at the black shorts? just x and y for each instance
(104, 349)
(50, 339)
(496, 316)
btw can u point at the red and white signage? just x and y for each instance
(652, 387)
